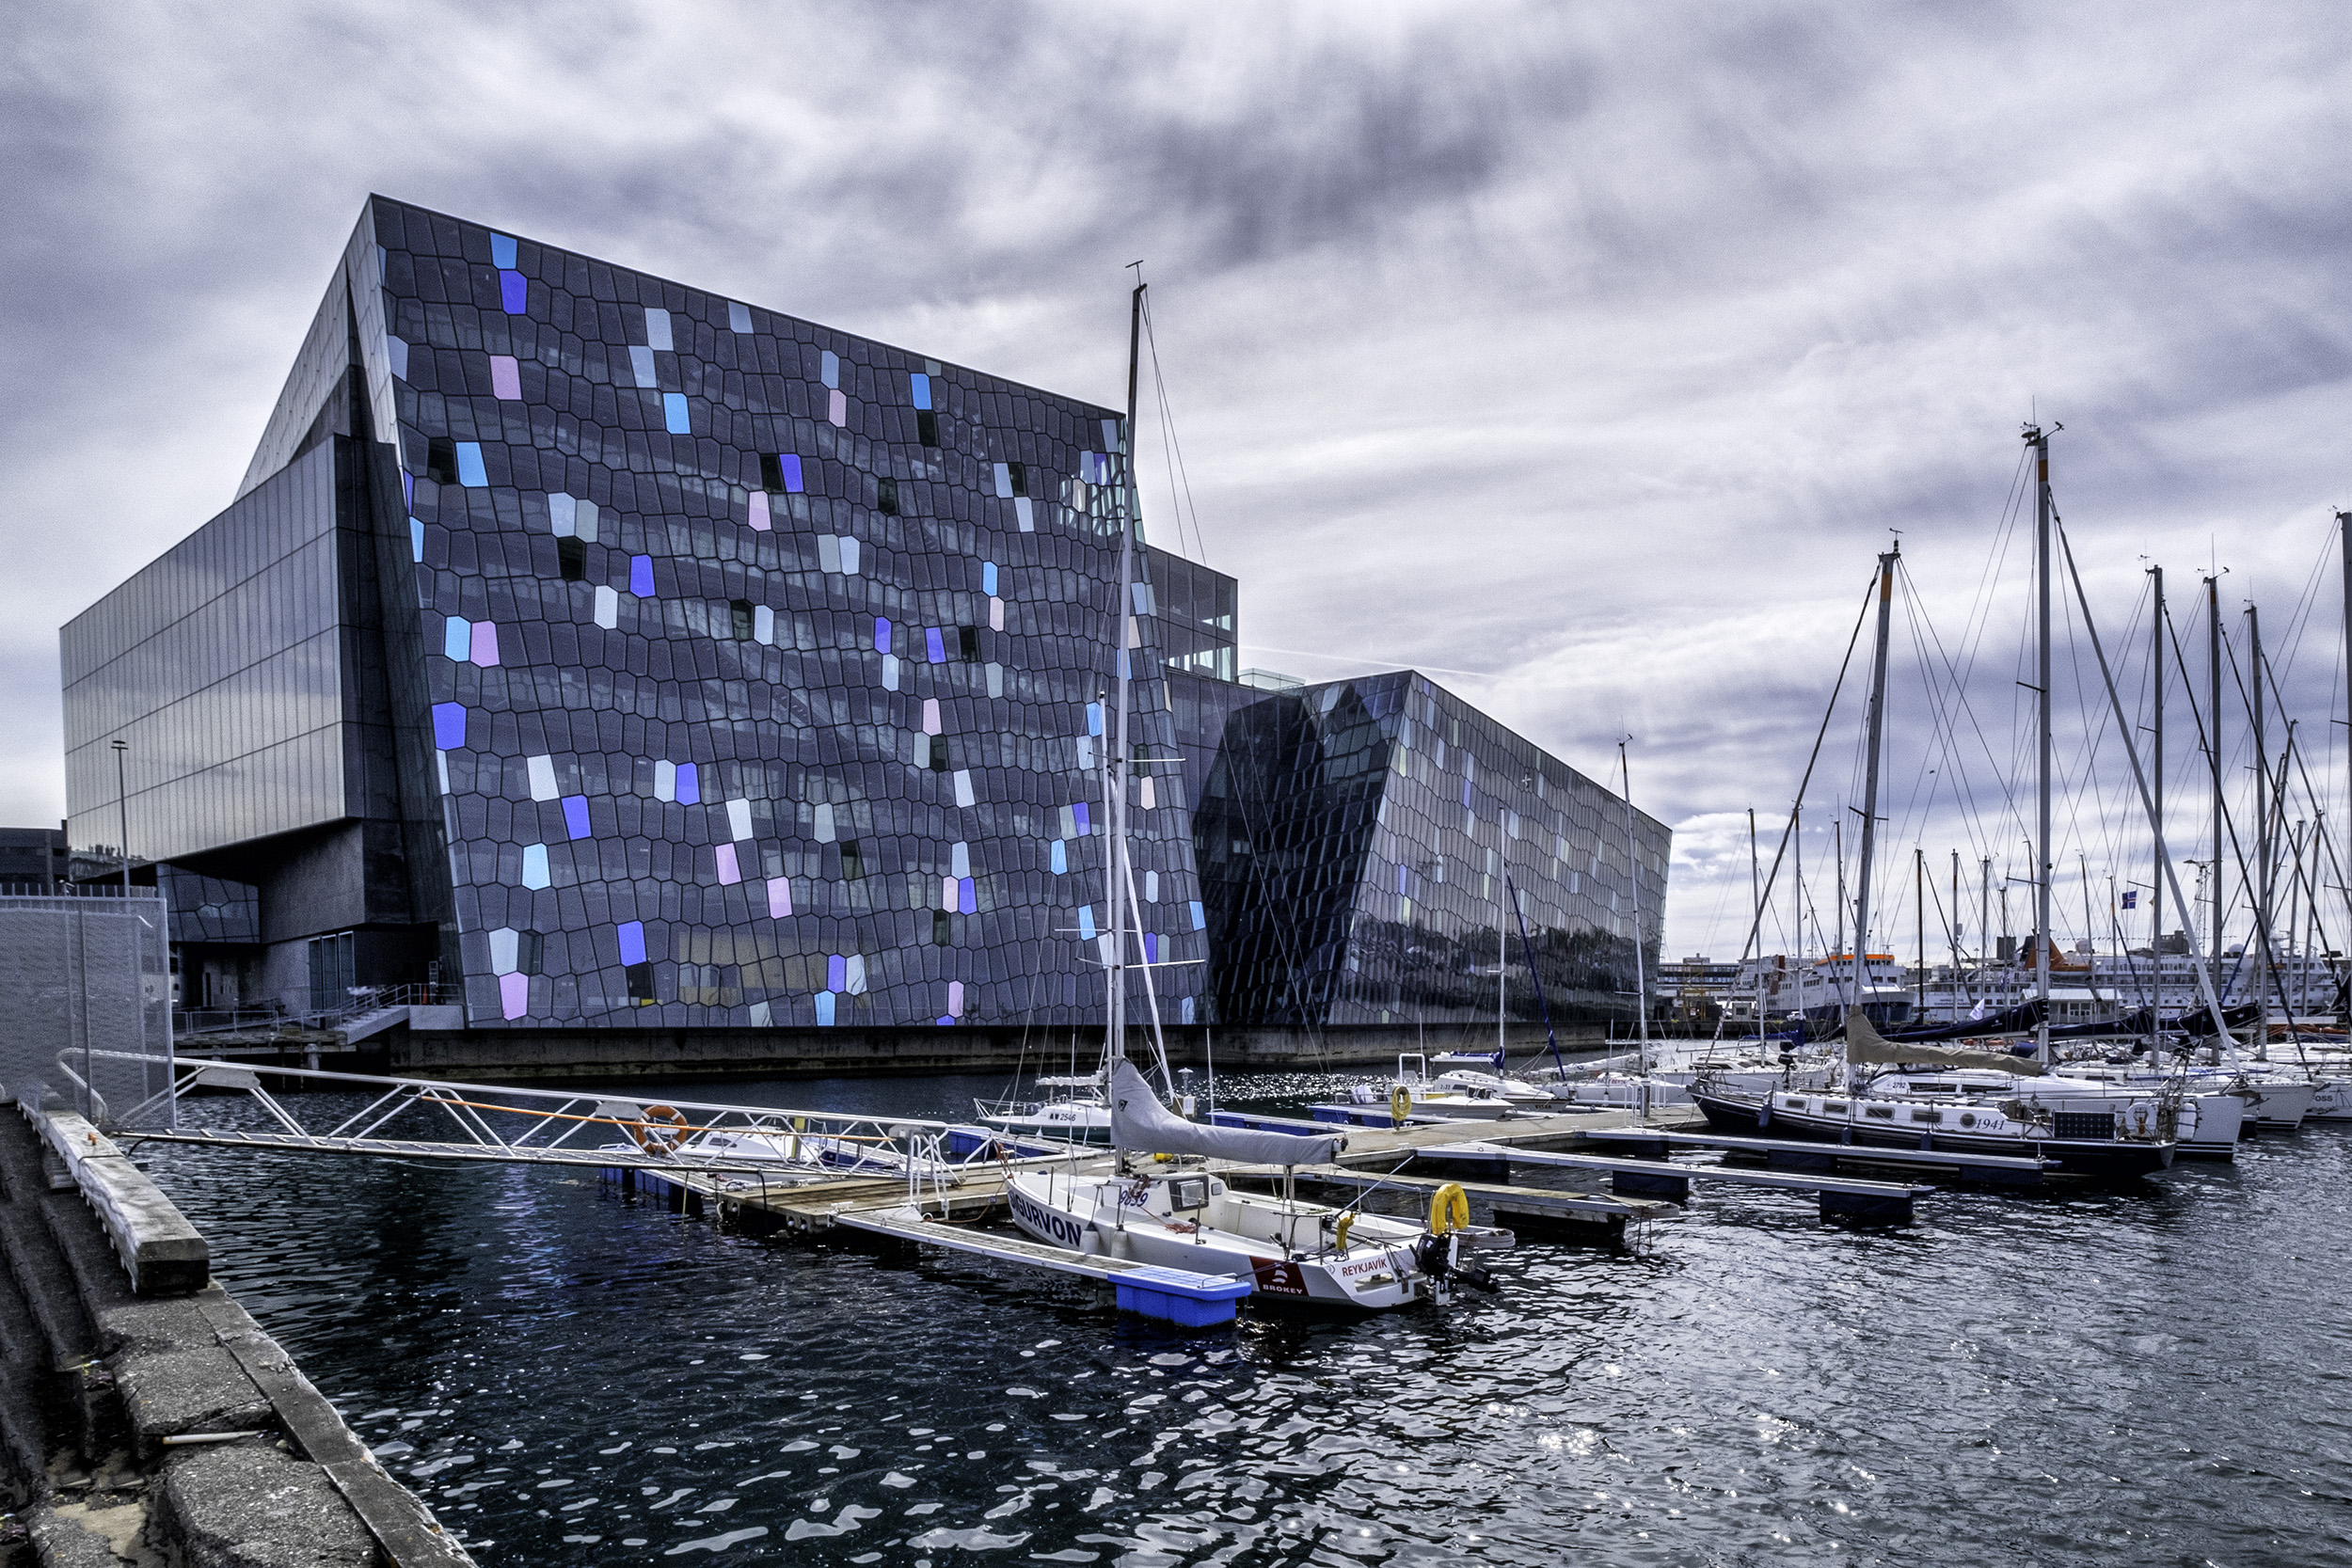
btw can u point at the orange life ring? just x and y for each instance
(660, 1132)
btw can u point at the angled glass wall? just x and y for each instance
(1357, 841)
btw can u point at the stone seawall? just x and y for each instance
(522, 1056)
(145, 1419)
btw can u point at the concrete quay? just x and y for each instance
(145, 1419)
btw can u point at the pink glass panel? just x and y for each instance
(486, 643)
(759, 510)
(779, 896)
(514, 994)
(728, 873)
(837, 409)
(505, 380)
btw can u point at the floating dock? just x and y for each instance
(1999, 1170)
(1842, 1197)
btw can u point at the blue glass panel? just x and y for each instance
(938, 649)
(457, 638)
(690, 784)
(1199, 921)
(469, 470)
(1062, 862)
(988, 577)
(829, 366)
(416, 539)
(674, 413)
(502, 250)
(514, 293)
(407, 488)
(836, 972)
(535, 865)
(790, 463)
(398, 350)
(922, 388)
(882, 634)
(575, 814)
(448, 725)
(967, 901)
(640, 575)
(641, 364)
(824, 1007)
(1095, 718)
(632, 941)
(1086, 922)
(1079, 811)
(738, 317)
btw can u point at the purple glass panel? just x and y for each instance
(448, 725)
(779, 896)
(514, 994)
(632, 941)
(1078, 810)
(1151, 947)
(759, 511)
(729, 873)
(507, 381)
(485, 643)
(575, 814)
(790, 463)
(882, 634)
(966, 901)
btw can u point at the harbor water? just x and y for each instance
(2157, 1373)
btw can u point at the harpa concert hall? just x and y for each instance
(587, 653)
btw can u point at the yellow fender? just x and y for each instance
(1400, 1105)
(1448, 1210)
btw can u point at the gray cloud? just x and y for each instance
(1597, 348)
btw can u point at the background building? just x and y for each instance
(598, 650)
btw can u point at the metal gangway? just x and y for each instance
(756, 1146)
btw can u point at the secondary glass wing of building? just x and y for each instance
(1372, 847)
(685, 662)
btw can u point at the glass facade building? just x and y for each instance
(618, 654)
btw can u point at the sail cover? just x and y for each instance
(1866, 1045)
(1140, 1124)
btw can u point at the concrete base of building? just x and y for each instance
(524, 1055)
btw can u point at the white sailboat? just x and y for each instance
(1168, 1197)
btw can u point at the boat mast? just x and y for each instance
(2213, 651)
(1952, 991)
(1755, 895)
(2259, 959)
(2155, 896)
(1124, 632)
(2343, 532)
(2045, 864)
(1796, 836)
(1633, 870)
(1870, 777)
(1920, 899)
(1984, 923)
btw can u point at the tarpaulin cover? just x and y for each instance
(1141, 1125)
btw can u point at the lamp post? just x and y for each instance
(122, 811)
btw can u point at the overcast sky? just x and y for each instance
(1580, 356)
